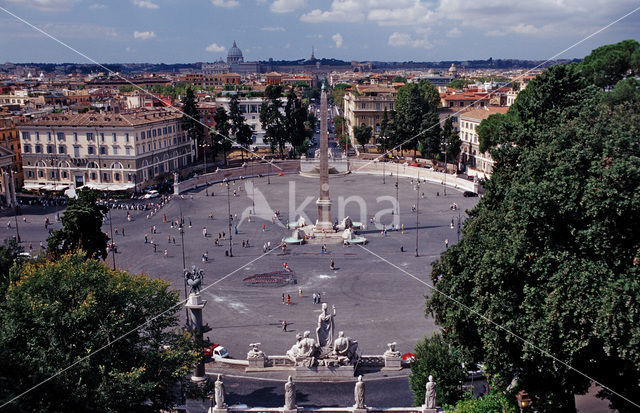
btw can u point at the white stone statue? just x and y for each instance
(358, 393)
(345, 347)
(324, 332)
(219, 393)
(255, 351)
(290, 395)
(294, 352)
(391, 351)
(430, 394)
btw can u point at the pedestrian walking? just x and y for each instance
(166, 253)
(174, 240)
(284, 325)
(332, 265)
(446, 243)
(288, 299)
(263, 227)
(269, 245)
(123, 232)
(155, 246)
(283, 298)
(146, 238)
(264, 247)
(204, 232)
(168, 239)
(315, 298)
(300, 292)
(8, 224)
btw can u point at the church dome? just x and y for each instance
(234, 55)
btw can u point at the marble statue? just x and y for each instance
(324, 332)
(344, 347)
(358, 393)
(193, 279)
(290, 395)
(430, 394)
(294, 352)
(255, 351)
(391, 351)
(219, 393)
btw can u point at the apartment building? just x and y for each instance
(106, 151)
(477, 163)
(367, 108)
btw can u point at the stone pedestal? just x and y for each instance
(217, 410)
(289, 410)
(425, 409)
(256, 362)
(195, 304)
(356, 410)
(392, 363)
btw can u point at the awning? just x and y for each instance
(32, 187)
(105, 186)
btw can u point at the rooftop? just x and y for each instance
(125, 118)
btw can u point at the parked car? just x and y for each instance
(469, 194)
(428, 166)
(151, 194)
(215, 351)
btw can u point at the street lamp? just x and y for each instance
(113, 241)
(445, 166)
(524, 400)
(417, 211)
(184, 264)
(229, 220)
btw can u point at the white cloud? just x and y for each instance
(398, 39)
(46, 5)
(145, 4)
(144, 35)
(97, 6)
(213, 47)
(287, 6)
(418, 13)
(455, 32)
(128, 49)
(272, 29)
(340, 11)
(338, 39)
(227, 4)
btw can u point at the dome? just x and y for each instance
(234, 55)
(453, 69)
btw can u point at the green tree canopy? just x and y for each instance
(81, 227)
(399, 79)
(9, 254)
(606, 65)
(191, 118)
(242, 133)
(62, 311)
(220, 135)
(451, 138)
(434, 357)
(551, 251)
(362, 134)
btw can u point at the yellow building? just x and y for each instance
(367, 108)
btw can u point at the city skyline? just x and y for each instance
(164, 31)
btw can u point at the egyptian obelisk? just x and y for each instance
(323, 202)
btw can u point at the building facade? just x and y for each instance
(477, 163)
(250, 109)
(108, 151)
(368, 109)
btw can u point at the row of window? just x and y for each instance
(62, 149)
(378, 106)
(469, 125)
(461, 104)
(152, 133)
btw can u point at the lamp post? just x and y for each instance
(445, 166)
(524, 400)
(397, 183)
(229, 220)
(17, 229)
(417, 211)
(184, 264)
(113, 241)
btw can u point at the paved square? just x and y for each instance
(375, 302)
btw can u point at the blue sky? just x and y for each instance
(173, 31)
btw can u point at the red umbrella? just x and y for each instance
(408, 357)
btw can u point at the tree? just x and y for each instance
(242, 132)
(220, 135)
(416, 117)
(295, 123)
(606, 65)
(9, 254)
(272, 119)
(191, 117)
(362, 134)
(430, 135)
(81, 227)
(434, 357)
(62, 311)
(494, 402)
(337, 94)
(451, 139)
(399, 79)
(459, 83)
(551, 252)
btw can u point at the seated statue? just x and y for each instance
(303, 353)
(294, 352)
(345, 348)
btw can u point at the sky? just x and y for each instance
(186, 31)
